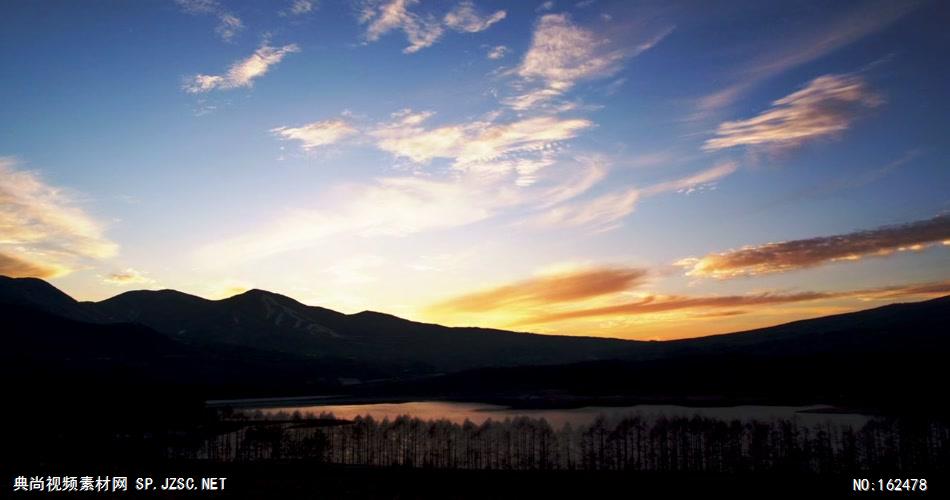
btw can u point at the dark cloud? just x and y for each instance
(811, 252)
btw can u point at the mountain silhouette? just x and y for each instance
(262, 343)
(38, 294)
(273, 322)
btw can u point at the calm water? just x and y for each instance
(478, 413)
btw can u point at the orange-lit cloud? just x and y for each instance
(657, 303)
(43, 231)
(811, 252)
(19, 268)
(561, 287)
(128, 276)
(242, 73)
(824, 108)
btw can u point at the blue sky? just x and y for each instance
(642, 170)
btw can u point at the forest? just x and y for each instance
(633, 443)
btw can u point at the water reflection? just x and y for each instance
(479, 412)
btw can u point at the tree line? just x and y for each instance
(634, 443)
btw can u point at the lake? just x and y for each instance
(479, 412)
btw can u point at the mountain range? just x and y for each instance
(262, 343)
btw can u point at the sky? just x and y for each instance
(642, 170)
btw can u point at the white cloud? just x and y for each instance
(602, 213)
(464, 17)
(355, 270)
(689, 183)
(606, 212)
(316, 134)
(300, 7)
(384, 16)
(546, 6)
(485, 148)
(387, 207)
(228, 26)
(392, 207)
(825, 107)
(497, 52)
(242, 73)
(43, 231)
(563, 54)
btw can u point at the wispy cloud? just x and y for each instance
(824, 108)
(393, 207)
(689, 183)
(562, 54)
(316, 134)
(16, 267)
(357, 269)
(812, 252)
(228, 26)
(485, 147)
(651, 304)
(805, 46)
(605, 212)
(554, 288)
(383, 17)
(421, 30)
(602, 213)
(497, 52)
(465, 17)
(386, 207)
(300, 7)
(43, 231)
(242, 73)
(128, 276)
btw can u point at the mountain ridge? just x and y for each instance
(269, 321)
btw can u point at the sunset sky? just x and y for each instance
(639, 170)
